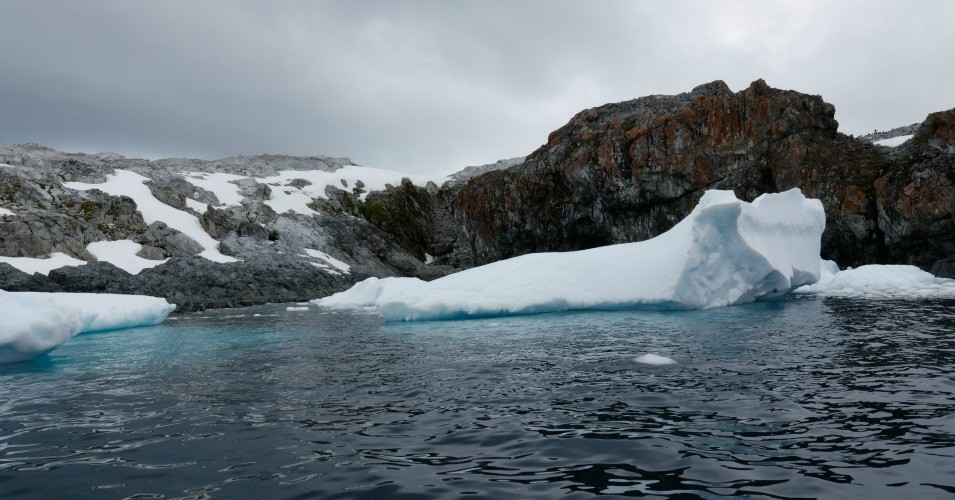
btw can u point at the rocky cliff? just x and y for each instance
(295, 255)
(629, 171)
(301, 228)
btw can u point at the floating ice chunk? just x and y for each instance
(725, 252)
(293, 308)
(655, 359)
(33, 326)
(43, 265)
(122, 254)
(882, 282)
(35, 323)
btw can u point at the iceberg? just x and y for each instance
(725, 252)
(36, 322)
(881, 282)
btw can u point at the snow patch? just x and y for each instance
(894, 141)
(287, 197)
(122, 254)
(36, 323)
(127, 183)
(42, 265)
(198, 206)
(332, 261)
(4, 211)
(220, 184)
(655, 359)
(725, 252)
(882, 282)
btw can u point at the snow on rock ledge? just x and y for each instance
(36, 323)
(725, 252)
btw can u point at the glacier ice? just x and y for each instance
(725, 252)
(36, 322)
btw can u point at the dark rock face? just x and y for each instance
(56, 219)
(192, 283)
(629, 171)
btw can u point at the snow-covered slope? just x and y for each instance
(35, 323)
(725, 252)
(293, 190)
(126, 183)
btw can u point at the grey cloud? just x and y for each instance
(432, 86)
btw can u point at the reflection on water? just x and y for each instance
(799, 398)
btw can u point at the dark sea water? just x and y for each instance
(805, 397)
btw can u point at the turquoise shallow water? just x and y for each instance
(804, 397)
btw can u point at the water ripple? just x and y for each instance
(802, 398)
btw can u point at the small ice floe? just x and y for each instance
(38, 322)
(876, 281)
(294, 308)
(655, 359)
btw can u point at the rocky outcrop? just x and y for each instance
(192, 283)
(889, 134)
(629, 171)
(281, 254)
(617, 173)
(56, 219)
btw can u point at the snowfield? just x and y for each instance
(36, 323)
(725, 252)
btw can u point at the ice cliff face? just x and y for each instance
(618, 173)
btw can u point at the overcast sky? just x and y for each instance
(434, 86)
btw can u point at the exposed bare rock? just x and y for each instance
(629, 171)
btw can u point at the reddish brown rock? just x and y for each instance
(629, 171)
